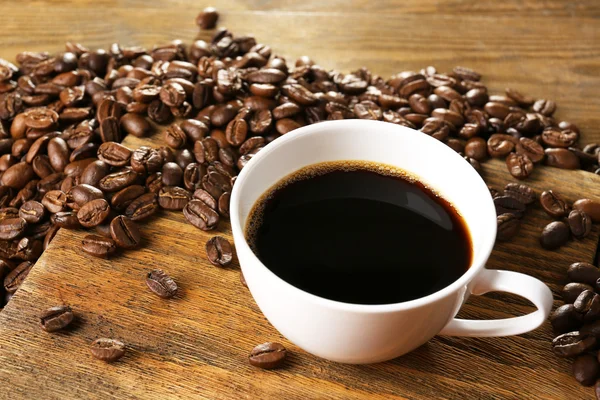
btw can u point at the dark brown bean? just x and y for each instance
(508, 226)
(173, 198)
(268, 355)
(521, 192)
(135, 124)
(93, 213)
(17, 276)
(531, 149)
(118, 180)
(108, 350)
(554, 235)
(161, 284)
(572, 344)
(98, 246)
(510, 205)
(590, 207)
(142, 207)
(586, 369)
(554, 204)
(580, 224)
(32, 212)
(114, 154)
(55, 201)
(219, 251)
(66, 219)
(124, 232)
(201, 215)
(56, 318)
(519, 165)
(565, 319)
(562, 158)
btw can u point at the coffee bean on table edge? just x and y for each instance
(98, 246)
(268, 355)
(219, 251)
(56, 318)
(161, 284)
(124, 232)
(107, 350)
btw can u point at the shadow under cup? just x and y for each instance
(432, 162)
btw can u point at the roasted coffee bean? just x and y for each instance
(135, 124)
(56, 318)
(286, 125)
(521, 192)
(544, 107)
(107, 350)
(17, 175)
(98, 246)
(175, 137)
(572, 344)
(203, 195)
(124, 232)
(519, 165)
(580, 224)
(118, 180)
(32, 212)
(591, 329)
(161, 284)
(554, 137)
(114, 154)
(173, 197)
(286, 110)
(94, 172)
(82, 194)
(28, 249)
(192, 176)
(66, 219)
(124, 197)
(219, 251)
(562, 158)
(268, 355)
(531, 149)
(159, 112)
(554, 204)
(49, 236)
(146, 160)
(476, 148)
(109, 130)
(590, 207)
(584, 273)
(142, 207)
(508, 204)
(41, 118)
(51, 182)
(55, 201)
(15, 278)
(12, 228)
(554, 235)
(201, 215)
(588, 305)
(586, 369)
(93, 213)
(508, 226)
(500, 145)
(236, 132)
(565, 319)
(172, 174)
(224, 204)
(206, 151)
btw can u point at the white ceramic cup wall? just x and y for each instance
(353, 333)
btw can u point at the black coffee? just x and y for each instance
(359, 233)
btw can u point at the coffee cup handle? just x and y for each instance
(490, 280)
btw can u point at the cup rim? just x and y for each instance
(477, 264)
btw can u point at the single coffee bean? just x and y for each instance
(500, 145)
(224, 204)
(572, 290)
(94, 172)
(583, 272)
(17, 176)
(161, 284)
(554, 235)
(591, 329)
(108, 350)
(12, 228)
(55, 201)
(142, 207)
(172, 174)
(146, 160)
(82, 194)
(565, 319)
(124, 232)
(519, 165)
(219, 251)
(124, 197)
(56, 318)
(562, 158)
(109, 130)
(201, 215)
(93, 213)
(580, 224)
(508, 204)
(203, 195)
(118, 180)
(206, 150)
(135, 124)
(521, 192)
(32, 212)
(98, 246)
(572, 344)
(590, 207)
(15, 278)
(66, 219)
(267, 355)
(586, 369)
(114, 154)
(588, 305)
(173, 197)
(531, 149)
(554, 204)
(508, 226)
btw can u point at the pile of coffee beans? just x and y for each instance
(63, 116)
(577, 323)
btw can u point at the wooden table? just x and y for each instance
(196, 346)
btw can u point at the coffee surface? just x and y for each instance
(359, 233)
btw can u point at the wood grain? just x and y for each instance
(196, 345)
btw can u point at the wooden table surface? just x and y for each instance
(196, 345)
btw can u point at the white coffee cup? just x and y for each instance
(358, 334)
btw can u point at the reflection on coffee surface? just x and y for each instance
(359, 232)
